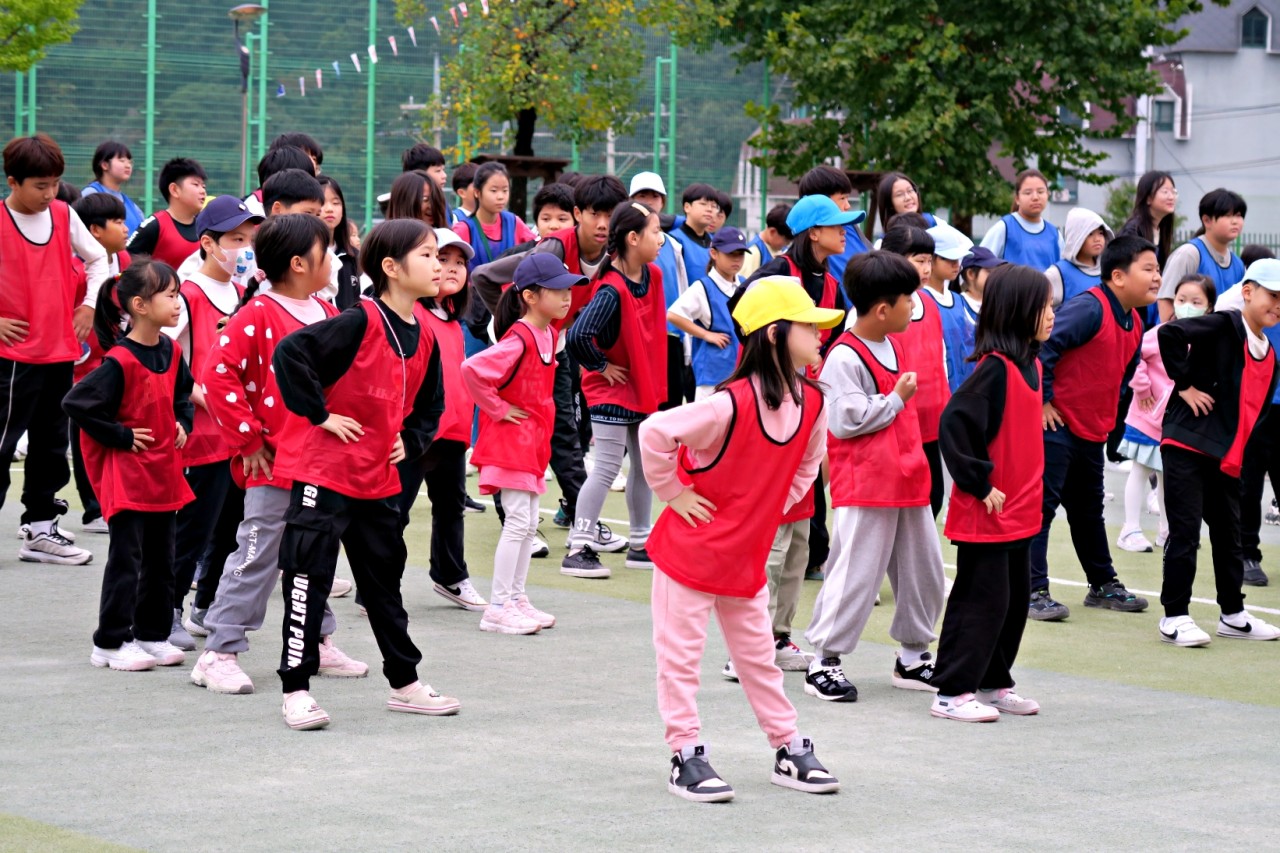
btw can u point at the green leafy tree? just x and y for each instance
(933, 88)
(30, 27)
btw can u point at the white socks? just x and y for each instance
(909, 657)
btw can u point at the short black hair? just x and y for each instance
(1121, 252)
(698, 192)
(67, 192)
(907, 240)
(776, 219)
(420, 156)
(878, 276)
(33, 157)
(284, 157)
(914, 220)
(1255, 252)
(601, 193)
(463, 176)
(290, 187)
(300, 140)
(98, 209)
(825, 180)
(176, 171)
(1218, 203)
(556, 195)
(109, 150)
(726, 203)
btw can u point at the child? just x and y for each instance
(709, 545)
(1203, 449)
(463, 188)
(425, 158)
(773, 240)
(879, 487)
(1023, 236)
(616, 339)
(278, 158)
(511, 382)
(950, 247)
(135, 412)
(1261, 462)
(1152, 388)
(492, 229)
(975, 269)
(1090, 356)
(834, 184)
(346, 270)
(44, 321)
(414, 195)
(552, 209)
(895, 194)
(1222, 214)
(1084, 237)
(112, 168)
(702, 311)
(243, 396)
(443, 466)
(991, 442)
(701, 206)
(170, 235)
(306, 143)
(377, 361)
(648, 189)
(924, 349)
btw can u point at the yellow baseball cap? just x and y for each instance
(780, 297)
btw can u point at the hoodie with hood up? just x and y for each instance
(1068, 277)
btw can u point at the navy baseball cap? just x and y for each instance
(729, 239)
(223, 214)
(815, 210)
(982, 258)
(543, 269)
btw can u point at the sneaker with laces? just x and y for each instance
(165, 652)
(335, 663)
(1113, 596)
(562, 518)
(729, 673)
(917, 676)
(1044, 609)
(194, 622)
(826, 680)
(128, 658)
(341, 588)
(24, 529)
(584, 564)
(1006, 701)
(605, 541)
(507, 619)
(638, 558)
(473, 505)
(964, 708)
(178, 634)
(220, 672)
(795, 766)
(98, 525)
(525, 606)
(419, 698)
(1182, 631)
(1245, 626)
(789, 657)
(693, 779)
(1254, 575)
(1133, 540)
(464, 595)
(53, 547)
(301, 713)
(540, 548)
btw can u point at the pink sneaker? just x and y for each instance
(525, 606)
(221, 673)
(507, 619)
(334, 662)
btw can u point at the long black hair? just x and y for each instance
(279, 240)
(1012, 304)
(454, 306)
(882, 208)
(801, 251)
(770, 362)
(395, 239)
(341, 231)
(144, 279)
(407, 191)
(1148, 185)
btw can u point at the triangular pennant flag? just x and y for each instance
(319, 80)
(355, 60)
(392, 40)
(413, 37)
(280, 91)
(462, 7)
(337, 69)
(453, 12)
(435, 24)
(373, 55)
(302, 86)
(484, 6)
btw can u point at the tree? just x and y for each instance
(30, 27)
(933, 88)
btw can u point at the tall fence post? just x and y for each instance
(149, 134)
(369, 197)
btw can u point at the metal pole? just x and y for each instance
(31, 102)
(369, 199)
(671, 137)
(149, 143)
(764, 170)
(261, 113)
(657, 114)
(18, 109)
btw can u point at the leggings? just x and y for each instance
(515, 545)
(1135, 493)
(612, 440)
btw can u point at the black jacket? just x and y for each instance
(1206, 353)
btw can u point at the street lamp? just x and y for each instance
(245, 12)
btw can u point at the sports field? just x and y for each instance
(559, 746)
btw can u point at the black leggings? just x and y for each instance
(934, 455)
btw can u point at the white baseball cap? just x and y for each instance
(949, 242)
(1264, 272)
(650, 181)
(447, 237)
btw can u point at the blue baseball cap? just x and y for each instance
(982, 258)
(815, 210)
(223, 214)
(729, 239)
(543, 269)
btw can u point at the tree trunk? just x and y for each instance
(963, 222)
(526, 120)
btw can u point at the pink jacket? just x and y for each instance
(1149, 382)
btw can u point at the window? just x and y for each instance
(1162, 115)
(1253, 28)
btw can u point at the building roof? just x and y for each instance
(1216, 29)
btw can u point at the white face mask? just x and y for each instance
(1183, 310)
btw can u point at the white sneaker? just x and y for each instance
(220, 672)
(729, 673)
(1153, 503)
(619, 483)
(964, 708)
(301, 713)
(1134, 541)
(1008, 702)
(1183, 631)
(98, 525)
(507, 619)
(1245, 626)
(341, 588)
(791, 658)
(165, 652)
(605, 541)
(24, 529)
(1108, 497)
(540, 548)
(128, 658)
(52, 547)
(463, 595)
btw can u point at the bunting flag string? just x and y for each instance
(302, 86)
(435, 24)
(392, 41)
(337, 69)
(373, 55)
(462, 7)
(413, 37)
(453, 12)
(355, 60)
(319, 80)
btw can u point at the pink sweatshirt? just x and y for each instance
(702, 428)
(1149, 382)
(483, 373)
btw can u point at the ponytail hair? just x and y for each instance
(279, 240)
(627, 218)
(395, 239)
(511, 307)
(143, 279)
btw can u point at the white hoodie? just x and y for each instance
(1081, 222)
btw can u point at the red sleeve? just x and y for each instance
(232, 390)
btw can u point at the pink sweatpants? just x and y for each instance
(680, 617)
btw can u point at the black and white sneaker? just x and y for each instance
(917, 676)
(473, 505)
(826, 680)
(1253, 574)
(693, 779)
(51, 547)
(638, 558)
(795, 766)
(1113, 596)
(584, 564)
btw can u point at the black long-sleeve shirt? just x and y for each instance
(315, 357)
(144, 240)
(971, 421)
(94, 402)
(596, 330)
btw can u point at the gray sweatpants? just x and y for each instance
(788, 558)
(867, 543)
(249, 577)
(611, 441)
